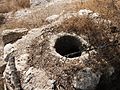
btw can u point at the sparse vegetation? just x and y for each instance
(13, 5)
(108, 9)
(101, 39)
(104, 38)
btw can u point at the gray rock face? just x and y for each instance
(22, 14)
(34, 3)
(12, 78)
(8, 48)
(86, 79)
(1, 52)
(52, 18)
(10, 36)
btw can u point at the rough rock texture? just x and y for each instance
(1, 52)
(2, 64)
(41, 12)
(23, 13)
(2, 68)
(43, 66)
(11, 73)
(86, 79)
(52, 18)
(8, 48)
(34, 3)
(10, 36)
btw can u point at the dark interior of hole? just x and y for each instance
(68, 46)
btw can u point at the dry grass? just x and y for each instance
(29, 24)
(13, 5)
(37, 18)
(100, 36)
(104, 38)
(108, 10)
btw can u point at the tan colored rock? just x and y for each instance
(54, 57)
(10, 36)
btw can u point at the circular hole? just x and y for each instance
(68, 46)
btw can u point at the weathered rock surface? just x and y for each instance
(58, 55)
(43, 65)
(8, 48)
(23, 13)
(10, 36)
(2, 68)
(34, 3)
(52, 18)
(86, 79)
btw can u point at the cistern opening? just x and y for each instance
(68, 46)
